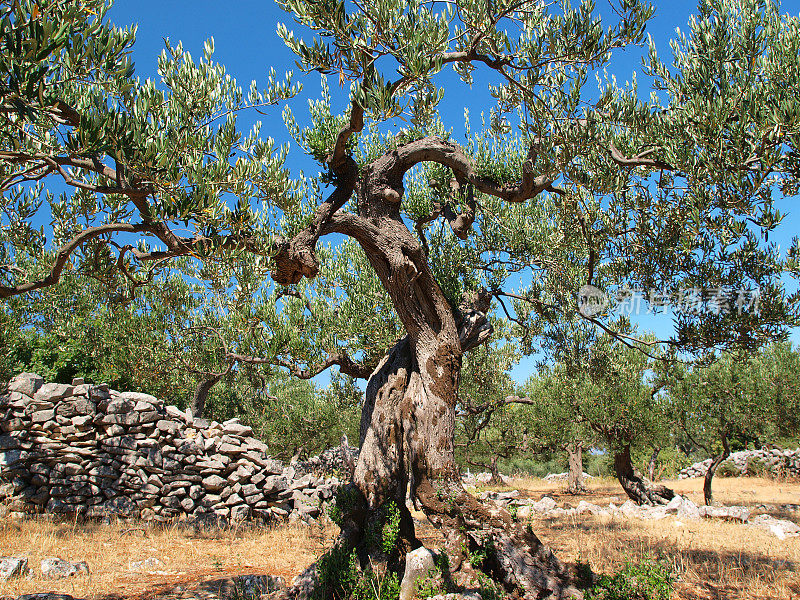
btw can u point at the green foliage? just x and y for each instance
(489, 589)
(341, 578)
(344, 501)
(437, 581)
(744, 397)
(661, 195)
(481, 554)
(646, 580)
(384, 532)
(600, 392)
(431, 585)
(291, 415)
(338, 574)
(757, 467)
(727, 469)
(390, 534)
(488, 429)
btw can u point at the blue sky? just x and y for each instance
(246, 42)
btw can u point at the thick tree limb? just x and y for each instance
(296, 258)
(434, 149)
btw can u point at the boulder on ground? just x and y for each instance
(729, 513)
(419, 565)
(57, 568)
(780, 528)
(12, 566)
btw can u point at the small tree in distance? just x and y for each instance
(555, 423)
(736, 398)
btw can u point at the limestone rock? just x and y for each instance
(584, 507)
(682, 507)
(57, 568)
(234, 427)
(146, 565)
(13, 566)
(545, 504)
(780, 528)
(26, 383)
(419, 564)
(729, 513)
(51, 392)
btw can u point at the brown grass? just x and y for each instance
(714, 560)
(190, 558)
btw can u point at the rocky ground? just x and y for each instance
(721, 553)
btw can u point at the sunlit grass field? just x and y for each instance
(712, 559)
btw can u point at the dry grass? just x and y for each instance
(190, 558)
(715, 560)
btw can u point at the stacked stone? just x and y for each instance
(776, 461)
(339, 460)
(93, 451)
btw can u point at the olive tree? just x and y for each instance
(554, 421)
(733, 398)
(563, 184)
(487, 428)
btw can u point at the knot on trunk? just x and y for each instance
(294, 260)
(473, 330)
(392, 194)
(473, 325)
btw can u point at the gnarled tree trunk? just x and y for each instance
(408, 418)
(496, 478)
(712, 469)
(575, 483)
(638, 488)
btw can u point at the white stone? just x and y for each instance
(584, 507)
(419, 564)
(780, 528)
(148, 564)
(57, 568)
(630, 509)
(545, 504)
(12, 566)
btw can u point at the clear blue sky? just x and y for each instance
(246, 42)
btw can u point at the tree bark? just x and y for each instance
(408, 417)
(575, 457)
(638, 488)
(201, 394)
(653, 463)
(712, 469)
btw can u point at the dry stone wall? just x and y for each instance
(774, 461)
(89, 450)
